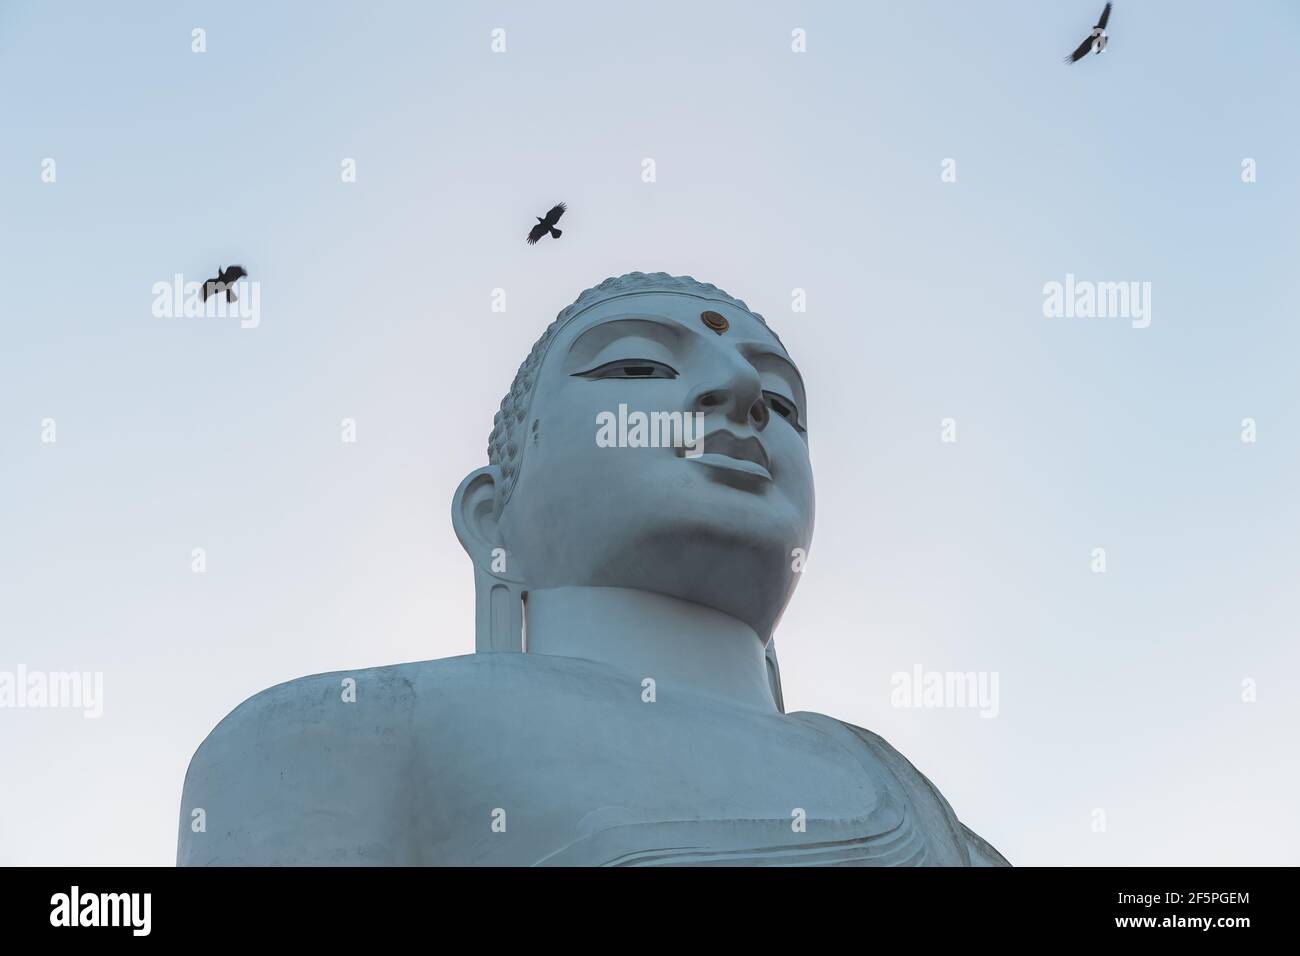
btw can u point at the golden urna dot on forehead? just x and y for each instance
(715, 320)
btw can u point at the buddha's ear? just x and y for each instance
(474, 512)
(498, 583)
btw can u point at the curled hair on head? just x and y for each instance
(505, 446)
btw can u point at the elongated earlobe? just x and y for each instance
(498, 581)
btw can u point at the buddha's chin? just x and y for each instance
(697, 550)
(729, 507)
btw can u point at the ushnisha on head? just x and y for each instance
(715, 522)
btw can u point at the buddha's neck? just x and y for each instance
(678, 643)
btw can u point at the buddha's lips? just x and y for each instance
(747, 448)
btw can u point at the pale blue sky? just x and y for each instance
(775, 170)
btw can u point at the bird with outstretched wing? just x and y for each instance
(224, 282)
(1096, 39)
(547, 225)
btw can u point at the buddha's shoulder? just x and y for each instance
(390, 700)
(930, 805)
(319, 769)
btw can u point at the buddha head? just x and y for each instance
(654, 439)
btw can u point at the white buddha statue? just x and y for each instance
(623, 705)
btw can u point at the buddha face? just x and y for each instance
(710, 512)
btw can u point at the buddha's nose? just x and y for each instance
(737, 394)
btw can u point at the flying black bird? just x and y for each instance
(1096, 42)
(547, 225)
(224, 282)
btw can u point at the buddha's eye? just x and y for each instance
(783, 407)
(630, 368)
